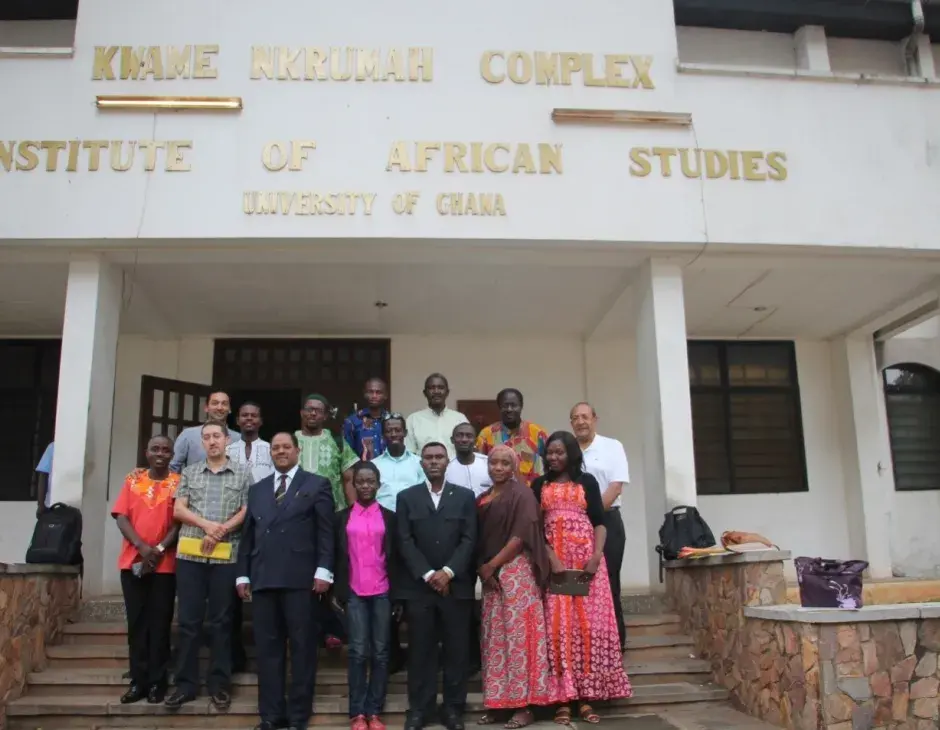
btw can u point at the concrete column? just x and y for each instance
(866, 452)
(812, 49)
(85, 400)
(665, 403)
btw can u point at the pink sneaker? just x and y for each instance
(333, 642)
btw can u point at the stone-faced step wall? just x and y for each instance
(709, 595)
(872, 668)
(807, 669)
(36, 601)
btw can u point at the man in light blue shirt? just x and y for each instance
(187, 449)
(398, 467)
(44, 490)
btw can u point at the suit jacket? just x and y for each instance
(429, 539)
(341, 542)
(283, 545)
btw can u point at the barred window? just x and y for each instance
(912, 403)
(746, 421)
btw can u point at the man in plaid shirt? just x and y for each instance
(210, 505)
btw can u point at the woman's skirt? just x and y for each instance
(515, 642)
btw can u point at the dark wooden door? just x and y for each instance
(335, 368)
(480, 413)
(167, 407)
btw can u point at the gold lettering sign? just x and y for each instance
(277, 155)
(258, 202)
(547, 68)
(314, 63)
(476, 157)
(138, 63)
(470, 204)
(121, 155)
(698, 163)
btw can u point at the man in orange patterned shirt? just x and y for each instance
(527, 439)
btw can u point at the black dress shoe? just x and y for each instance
(157, 694)
(178, 699)
(414, 721)
(221, 700)
(452, 720)
(135, 693)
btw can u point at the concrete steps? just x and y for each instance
(83, 681)
(49, 713)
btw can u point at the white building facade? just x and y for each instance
(713, 235)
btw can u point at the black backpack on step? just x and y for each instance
(682, 527)
(57, 538)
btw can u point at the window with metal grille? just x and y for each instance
(912, 403)
(746, 421)
(29, 384)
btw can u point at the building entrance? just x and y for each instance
(278, 374)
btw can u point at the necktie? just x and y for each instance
(281, 490)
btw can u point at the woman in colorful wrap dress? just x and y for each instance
(514, 568)
(584, 646)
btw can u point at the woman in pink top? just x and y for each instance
(364, 578)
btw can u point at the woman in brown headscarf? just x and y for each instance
(514, 568)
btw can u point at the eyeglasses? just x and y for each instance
(393, 416)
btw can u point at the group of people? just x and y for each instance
(395, 520)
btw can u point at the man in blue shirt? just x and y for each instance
(44, 485)
(398, 470)
(398, 467)
(363, 429)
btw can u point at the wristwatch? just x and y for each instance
(161, 549)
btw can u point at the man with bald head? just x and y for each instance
(605, 460)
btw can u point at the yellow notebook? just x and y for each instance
(192, 546)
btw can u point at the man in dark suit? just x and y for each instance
(437, 529)
(285, 563)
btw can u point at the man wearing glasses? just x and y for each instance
(323, 454)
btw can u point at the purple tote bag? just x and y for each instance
(830, 583)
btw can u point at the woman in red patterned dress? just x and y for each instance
(584, 649)
(514, 568)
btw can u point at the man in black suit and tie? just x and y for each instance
(437, 530)
(285, 563)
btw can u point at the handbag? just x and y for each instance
(830, 583)
(569, 583)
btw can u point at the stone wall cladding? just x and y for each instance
(35, 604)
(876, 674)
(880, 675)
(760, 665)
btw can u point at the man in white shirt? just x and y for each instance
(255, 453)
(606, 460)
(434, 424)
(252, 451)
(468, 469)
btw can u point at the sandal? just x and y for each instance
(487, 719)
(588, 715)
(563, 715)
(520, 719)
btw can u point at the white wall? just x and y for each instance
(612, 389)
(915, 539)
(18, 522)
(809, 523)
(833, 161)
(188, 359)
